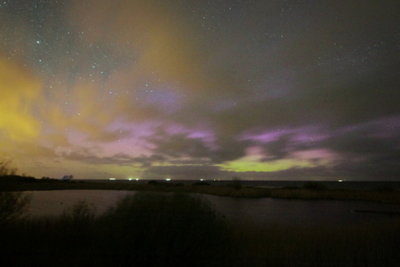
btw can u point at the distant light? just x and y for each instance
(201, 180)
(130, 179)
(168, 179)
(137, 179)
(340, 180)
(112, 179)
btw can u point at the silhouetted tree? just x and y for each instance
(5, 168)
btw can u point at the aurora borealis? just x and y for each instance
(201, 89)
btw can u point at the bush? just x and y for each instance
(146, 229)
(82, 212)
(12, 205)
(165, 229)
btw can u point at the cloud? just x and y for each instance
(369, 149)
(260, 88)
(19, 92)
(180, 145)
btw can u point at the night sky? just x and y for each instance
(201, 89)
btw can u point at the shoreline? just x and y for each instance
(224, 190)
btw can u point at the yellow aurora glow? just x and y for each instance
(19, 92)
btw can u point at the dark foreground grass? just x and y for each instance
(329, 245)
(146, 229)
(170, 229)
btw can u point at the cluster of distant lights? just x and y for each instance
(169, 179)
(135, 179)
(138, 179)
(129, 179)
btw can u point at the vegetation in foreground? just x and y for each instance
(146, 229)
(170, 229)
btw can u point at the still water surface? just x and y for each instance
(254, 211)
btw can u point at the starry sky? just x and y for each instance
(189, 89)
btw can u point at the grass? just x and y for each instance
(174, 229)
(327, 245)
(146, 229)
(12, 205)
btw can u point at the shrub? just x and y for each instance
(165, 229)
(12, 205)
(80, 212)
(146, 229)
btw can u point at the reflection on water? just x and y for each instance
(299, 212)
(250, 211)
(45, 203)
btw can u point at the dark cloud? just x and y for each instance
(278, 149)
(117, 159)
(180, 145)
(109, 136)
(229, 149)
(368, 150)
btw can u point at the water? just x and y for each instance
(248, 211)
(300, 212)
(55, 202)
